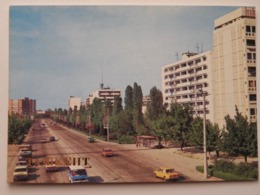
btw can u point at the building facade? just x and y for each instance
(22, 107)
(74, 101)
(234, 48)
(187, 80)
(104, 94)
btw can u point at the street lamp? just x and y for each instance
(204, 94)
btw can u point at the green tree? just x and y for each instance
(97, 114)
(138, 121)
(155, 107)
(182, 116)
(239, 136)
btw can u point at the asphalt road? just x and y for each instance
(126, 165)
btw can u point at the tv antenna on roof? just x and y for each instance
(197, 47)
(177, 55)
(102, 84)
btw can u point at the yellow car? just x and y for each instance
(167, 174)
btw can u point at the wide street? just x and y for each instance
(128, 164)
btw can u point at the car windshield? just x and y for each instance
(20, 170)
(169, 170)
(78, 172)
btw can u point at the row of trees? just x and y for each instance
(176, 124)
(17, 128)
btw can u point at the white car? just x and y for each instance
(20, 173)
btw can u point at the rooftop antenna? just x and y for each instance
(201, 47)
(102, 84)
(177, 55)
(198, 47)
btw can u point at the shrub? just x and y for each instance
(224, 166)
(246, 170)
(126, 139)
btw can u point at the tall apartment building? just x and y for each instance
(235, 65)
(74, 101)
(22, 107)
(104, 94)
(183, 80)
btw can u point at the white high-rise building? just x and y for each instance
(74, 101)
(104, 94)
(235, 65)
(183, 82)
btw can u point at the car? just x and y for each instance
(25, 146)
(52, 138)
(167, 174)
(22, 163)
(20, 173)
(91, 139)
(24, 154)
(77, 174)
(43, 141)
(107, 152)
(51, 166)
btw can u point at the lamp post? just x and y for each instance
(204, 94)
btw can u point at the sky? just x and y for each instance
(61, 51)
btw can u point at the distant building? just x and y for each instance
(235, 64)
(183, 80)
(22, 107)
(74, 101)
(104, 94)
(146, 100)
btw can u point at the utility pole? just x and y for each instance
(107, 125)
(204, 93)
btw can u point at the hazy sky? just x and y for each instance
(59, 51)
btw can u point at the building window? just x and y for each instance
(252, 111)
(248, 29)
(251, 71)
(249, 56)
(252, 97)
(253, 29)
(250, 42)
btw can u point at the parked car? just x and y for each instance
(107, 152)
(167, 174)
(25, 146)
(22, 163)
(77, 174)
(52, 138)
(91, 139)
(24, 154)
(20, 173)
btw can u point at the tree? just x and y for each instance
(196, 134)
(138, 121)
(97, 114)
(162, 128)
(182, 116)
(155, 107)
(239, 136)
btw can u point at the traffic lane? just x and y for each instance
(125, 166)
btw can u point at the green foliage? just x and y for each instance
(246, 170)
(126, 139)
(225, 166)
(182, 116)
(17, 127)
(239, 137)
(241, 172)
(155, 107)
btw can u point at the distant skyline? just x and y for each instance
(60, 51)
